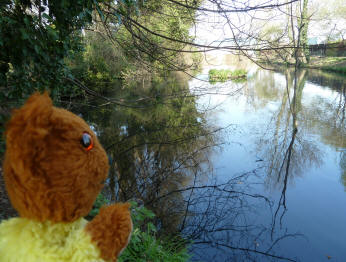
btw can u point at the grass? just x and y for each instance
(330, 64)
(224, 75)
(336, 69)
(321, 61)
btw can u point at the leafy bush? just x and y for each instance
(145, 244)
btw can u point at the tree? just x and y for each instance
(329, 16)
(303, 20)
(35, 38)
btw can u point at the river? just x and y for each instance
(250, 171)
(295, 145)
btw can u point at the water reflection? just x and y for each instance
(343, 168)
(157, 149)
(161, 151)
(286, 146)
(292, 121)
(160, 156)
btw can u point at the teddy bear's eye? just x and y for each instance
(87, 141)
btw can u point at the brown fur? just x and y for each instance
(50, 176)
(48, 173)
(111, 229)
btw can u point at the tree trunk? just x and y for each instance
(304, 24)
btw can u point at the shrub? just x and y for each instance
(145, 244)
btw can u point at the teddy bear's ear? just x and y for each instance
(26, 134)
(32, 121)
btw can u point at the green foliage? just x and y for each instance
(3, 120)
(219, 75)
(153, 36)
(100, 201)
(99, 64)
(226, 74)
(336, 69)
(116, 52)
(239, 73)
(145, 245)
(36, 36)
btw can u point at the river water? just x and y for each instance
(292, 140)
(248, 171)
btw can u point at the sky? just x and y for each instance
(327, 18)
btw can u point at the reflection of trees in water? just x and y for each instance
(332, 80)
(160, 155)
(263, 89)
(343, 168)
(288, 150)
(285, 145)
(222, 222)
(327, 118)
(156, 149)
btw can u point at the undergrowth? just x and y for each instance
(145, 245)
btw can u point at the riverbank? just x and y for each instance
(328, 64)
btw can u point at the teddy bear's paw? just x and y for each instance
(110, 230)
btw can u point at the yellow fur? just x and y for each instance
(24, 240)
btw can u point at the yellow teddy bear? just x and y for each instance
(54, 168)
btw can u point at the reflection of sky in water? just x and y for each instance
(316, 198)
(311, 91)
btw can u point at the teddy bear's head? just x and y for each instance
(54, 166)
